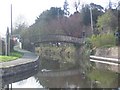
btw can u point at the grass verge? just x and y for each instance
(106, 78)
(13, 56)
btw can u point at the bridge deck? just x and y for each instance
(58, 38)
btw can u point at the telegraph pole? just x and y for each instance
(7, 45)
(11, 20)
(91, 19)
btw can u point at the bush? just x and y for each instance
(102, 40)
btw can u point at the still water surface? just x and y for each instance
(61, 72)
(54, 74)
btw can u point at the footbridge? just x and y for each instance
(57, 38)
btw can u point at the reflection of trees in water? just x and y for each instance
(62, 55)
(56, 51)
(57, 64)
(49, 64)
(66, 57)
(71, 81)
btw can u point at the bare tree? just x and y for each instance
(76, 5)
(66, 8)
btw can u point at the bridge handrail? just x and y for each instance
(54, 35)
(45, 36)
(60, 38)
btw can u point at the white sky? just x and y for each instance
(30, 9)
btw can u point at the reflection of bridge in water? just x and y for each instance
(49, 74)
(59, 73)
(57, 38)
(37, 40)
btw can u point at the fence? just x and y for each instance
(106, 63)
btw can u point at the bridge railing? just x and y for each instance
(57, 38)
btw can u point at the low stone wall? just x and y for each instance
(5, 80)
(28, 64)
(114, 68)
(13, 70)
(112, 52)
(108, 52)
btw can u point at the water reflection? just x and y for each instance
(17, 77)
(61, 70)
(70, 81)
(56, 74)
(27, 83)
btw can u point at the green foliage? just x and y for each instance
(48, 22)
(16, 54)
(96, 11)
(107, 20)
(7, 58)
(86, 14)
(13, 56)
(50, 14)
(95, 6)
(101, 40)
(106, 78)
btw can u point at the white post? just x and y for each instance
(20, 45)
(11, 20)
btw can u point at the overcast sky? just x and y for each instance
(30, 9)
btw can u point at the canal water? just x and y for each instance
(53, 74)
(63, 71)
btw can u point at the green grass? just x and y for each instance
(16, 54)
(107, 46)
(13, 56)
(106, 78)
(7, 58)
(104, 40)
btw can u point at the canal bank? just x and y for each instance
(107, 58)
(29, 61)
(105, 67)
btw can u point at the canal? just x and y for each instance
(63, 69)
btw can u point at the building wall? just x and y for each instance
(0, 46)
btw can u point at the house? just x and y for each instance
(0, 45)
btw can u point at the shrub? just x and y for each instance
(102, 40)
